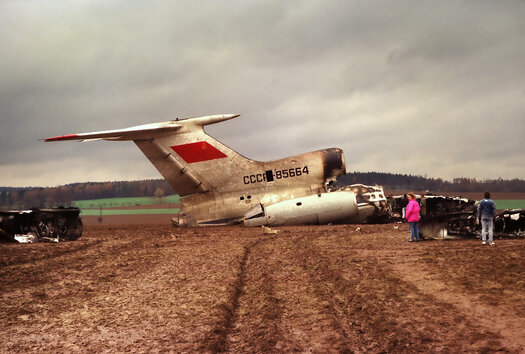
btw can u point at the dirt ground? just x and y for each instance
(156, 288)
(112, 220)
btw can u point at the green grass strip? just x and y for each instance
(510, 204)
(96, 212)
(125, 202)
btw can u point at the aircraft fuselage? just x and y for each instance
(219, 186)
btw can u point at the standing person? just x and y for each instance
(486, 213)
(412, 216)
(404, 203)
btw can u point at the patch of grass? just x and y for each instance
(96, 212)
(125, 202)
(510, 204)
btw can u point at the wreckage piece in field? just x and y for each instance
(457, 217)
(372, 204)
(441, 216)
(447, 216)
(33, 225)
(510, 223)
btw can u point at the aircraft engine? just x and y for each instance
(322, 208)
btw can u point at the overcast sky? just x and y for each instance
(433, 88)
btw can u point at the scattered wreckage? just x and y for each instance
(510, 222)
(40, 225)
(443, 216)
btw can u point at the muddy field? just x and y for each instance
(311, 289)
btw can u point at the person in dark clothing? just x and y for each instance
(403, 204)
(486, 214)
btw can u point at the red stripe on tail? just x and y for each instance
(198, 152)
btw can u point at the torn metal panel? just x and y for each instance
(510, 223)
(29, 238)
(372, 204)
(397, 203)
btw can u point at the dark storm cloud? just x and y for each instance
(421, 88)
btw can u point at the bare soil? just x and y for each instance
(115, 220)
(156, 288)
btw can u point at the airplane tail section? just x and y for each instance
(219, 185)
(189, 159)
(194, 162)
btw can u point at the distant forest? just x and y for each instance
(64, 195)
(391, 181)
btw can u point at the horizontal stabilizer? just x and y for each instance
(146, 131)
(134, 133)
(188, 158)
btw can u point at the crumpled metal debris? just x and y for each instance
(268, 231)
(42, 225)
(510, 222)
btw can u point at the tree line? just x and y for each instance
(50, 197)
(392, 181)
(41, 197)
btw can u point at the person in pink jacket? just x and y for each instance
(412, 216)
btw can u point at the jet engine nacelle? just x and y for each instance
(322, 208)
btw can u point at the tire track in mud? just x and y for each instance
(258, 317)
(259, 329)
(216, 339)
(271, 280)
(314, 264)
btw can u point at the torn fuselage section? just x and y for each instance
(333, 164)
(440, 216)
(510, 223)
(33, 225)
(372, 204)
(354, 204)
(321, 208)
(447, 216)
